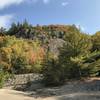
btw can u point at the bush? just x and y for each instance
(52, 72)
(20, 66)
(3, 77)
(20, 55)
(80, 69)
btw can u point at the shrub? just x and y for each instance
(3, 77)
(52, 72)
(20, 55)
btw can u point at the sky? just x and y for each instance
(83, 13)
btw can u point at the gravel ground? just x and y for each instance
(74, 90)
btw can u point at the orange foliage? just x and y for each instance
(36, 55)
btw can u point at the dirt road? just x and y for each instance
(89, 90)
(6, 94)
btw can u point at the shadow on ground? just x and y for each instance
(74, 90)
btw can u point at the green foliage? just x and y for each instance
(75, 59)
(2, 31)
(78, 57)
(1, 79)
(52, 72)
(76, 46)
(93, 63)
(80, 68)
(20, 56)
(20, 65)
(96, 41)
(77, 43)
(3, 76)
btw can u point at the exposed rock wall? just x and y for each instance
(22, 79)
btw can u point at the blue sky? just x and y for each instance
(83, 13)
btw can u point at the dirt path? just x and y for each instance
(6, 94)
(89, 90)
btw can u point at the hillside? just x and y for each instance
(58, 53)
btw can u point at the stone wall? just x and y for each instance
(22, 79)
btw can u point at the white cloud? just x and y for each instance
(5, 20)
(82, 28)
(30, 1)
(64, 3)
(35, 1)
(46, 1)
(6, 3)
(79, 26)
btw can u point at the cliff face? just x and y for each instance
(52, 35)
(55, 44)
(40, 32)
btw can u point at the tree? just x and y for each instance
(13, 29)
(96, 41)
(20, 55)
(2, 31)
(52, 72)
(77, 45)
